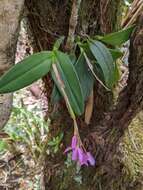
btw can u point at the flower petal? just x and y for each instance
(68, 149)
(75, 155)
(84, 160)
(90, 159)
(80, 154)
(74, 142)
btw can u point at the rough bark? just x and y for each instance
(10, 12)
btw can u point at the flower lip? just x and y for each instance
(73, 145)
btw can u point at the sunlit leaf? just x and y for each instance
(118, 38)
(26, 72)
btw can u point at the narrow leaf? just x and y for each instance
(89, 108)
(56, 96)
(58, 43)
(85, 76)
(70, 81)
(26, 72)
(115, 54)
(95, 71)
(105, 61)
(118, 38)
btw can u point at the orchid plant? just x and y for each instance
(73, 76)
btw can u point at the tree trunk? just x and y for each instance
(10, 12)
(48, 21)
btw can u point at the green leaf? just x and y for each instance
(71, 82)
(56, 96)
(26, 72)
(85, 76)
(58, 43)
(115, 53)
(118, 38)
(72, 57)
(105, 61)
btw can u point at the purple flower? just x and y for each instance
(79, 155)
(90, 159)
(73, 144)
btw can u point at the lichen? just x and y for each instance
(132, 148)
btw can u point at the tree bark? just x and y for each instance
(10, 12)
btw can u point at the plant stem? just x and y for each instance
(71, 112)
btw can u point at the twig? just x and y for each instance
(73, 24)
(133, 13)
(133, 18)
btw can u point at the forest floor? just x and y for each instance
(17, 165)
